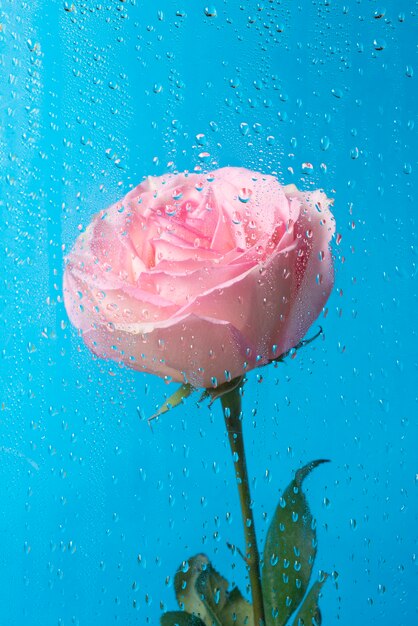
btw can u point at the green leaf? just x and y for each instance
(237, 611)
(309, 613)
(188, 597)
(213, 590)
(289, 552)
(180, 618)
(174, 400)
(203, 592)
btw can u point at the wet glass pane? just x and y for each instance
(214, 277)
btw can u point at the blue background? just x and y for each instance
(98, 510)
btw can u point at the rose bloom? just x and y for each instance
(200, 278)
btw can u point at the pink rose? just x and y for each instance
(201, 277)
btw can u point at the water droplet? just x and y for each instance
(244, 195)
(177, 194)
(236, 218)
(325, 142)
(210, 11)
(307, 168)
(244, 128)
(157, 88)
(321, 576)
(379, 44)
(407, 168)
(337, 93)
(170, 210)
(409, 72)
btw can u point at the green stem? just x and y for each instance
(231, 404)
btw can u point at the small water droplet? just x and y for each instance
(236, 218)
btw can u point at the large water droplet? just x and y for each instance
(210, 11)
(324, 143)
(177, 194)
(244, 195)
(379, 44)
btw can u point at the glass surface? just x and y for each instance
(98, 509)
